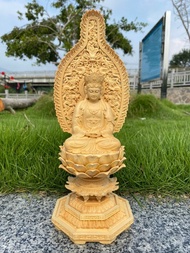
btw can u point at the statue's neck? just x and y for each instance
(93, 102)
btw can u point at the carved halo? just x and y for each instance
(90, 54)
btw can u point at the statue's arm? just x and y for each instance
(77, 121)
(108, 130)
(109, 121)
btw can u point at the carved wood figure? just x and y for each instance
(91, 96)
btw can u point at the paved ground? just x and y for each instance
(161, 226)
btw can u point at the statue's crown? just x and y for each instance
(94, 78)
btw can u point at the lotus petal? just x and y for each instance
(115, 163)
(71, 170)
(62, 167)
(122, 166)
(70, 156)
(70, 179)
(92, 158)
(102, 174)
(63, 161)
(121, 152)
(81, 159)
(92, 173)
(70, 163)
(104, 167)
(83, 175)
(113, 170)
(114, 156)
(63, 154)
(80, 167)
(92, 166)
(121, 161)
(62, 148)
(104, 159)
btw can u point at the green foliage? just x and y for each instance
(29, 157)
(117, 39)
(148, 106)
(158, 156)
(181, 60)
(184, 107)
(43, 108)
(2, 89)
(44, 37)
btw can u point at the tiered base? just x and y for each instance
(92, 220)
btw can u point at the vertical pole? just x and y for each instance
(166, 37)
(139, 74)
(172, 79)
(184, 81)
(6, 93)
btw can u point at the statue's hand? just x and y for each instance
(92, 134)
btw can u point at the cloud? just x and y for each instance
(8, 17)
(176, 45)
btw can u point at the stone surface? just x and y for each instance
(160, 226)
(177, 95)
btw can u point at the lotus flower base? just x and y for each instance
(92, 165)
(89, 188)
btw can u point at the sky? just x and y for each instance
(147, 11)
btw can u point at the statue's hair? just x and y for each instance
(94, 78)
(93, 85)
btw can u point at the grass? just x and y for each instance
(148, 106)
(29, 153)
(158, 157)
(155, 136)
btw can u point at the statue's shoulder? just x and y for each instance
(81, 105)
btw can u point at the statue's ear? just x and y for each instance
(85, 91)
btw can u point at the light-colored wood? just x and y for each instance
(91, 54)
(91, 97)
(92, 222)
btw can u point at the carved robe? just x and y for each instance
(92, 129)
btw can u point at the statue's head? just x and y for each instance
(94, 80)
(94, 86)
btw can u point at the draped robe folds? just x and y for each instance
(92, 129)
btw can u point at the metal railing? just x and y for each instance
(175, 79)
(25, 95)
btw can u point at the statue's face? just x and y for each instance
(93, 93)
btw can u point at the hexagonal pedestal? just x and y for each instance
(92, 221)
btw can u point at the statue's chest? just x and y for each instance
(93, 118)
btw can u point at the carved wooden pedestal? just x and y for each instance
(92, 220)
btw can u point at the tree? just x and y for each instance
(181, 60)
(182, 9)
(47, 37)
